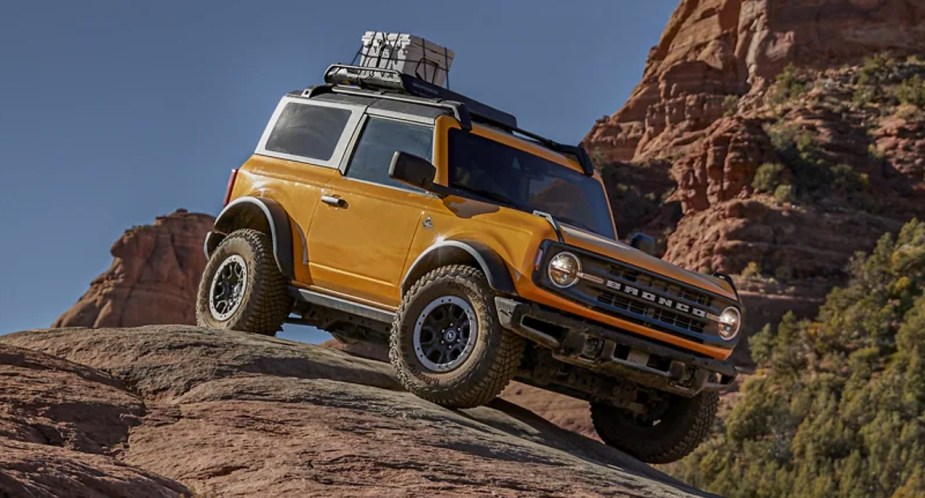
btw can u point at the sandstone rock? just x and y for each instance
(232, 414)
(714, 49)
(903, 142)
(62, 428)
(48, 400)
(153, 277)
(29, 469)
(722, 167)
(162, 362)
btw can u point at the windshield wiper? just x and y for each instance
(494, 196)
(577, 223)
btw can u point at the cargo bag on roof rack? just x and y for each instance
(408, 54)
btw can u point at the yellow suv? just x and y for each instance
(384, 209)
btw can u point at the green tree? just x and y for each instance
(876, 71)
(912, 92)
(839, 408)
(790, 84)
(768, 177)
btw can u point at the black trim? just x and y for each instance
(277, 223)
(212, 240)
(643, 242)
(575, 339)
(457, 109)
(552, 221)
(731, 283)
(391, 79)
(340, 304)
(499, 278)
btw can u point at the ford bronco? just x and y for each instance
(385, 209)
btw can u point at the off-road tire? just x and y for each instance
(684, 426)
(489, 367)
(265, 303)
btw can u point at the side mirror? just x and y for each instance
(413, 170)
(644, 243)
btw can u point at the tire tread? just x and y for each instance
(489, 385)
(270, 302)
(673, 443)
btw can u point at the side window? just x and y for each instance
(308, 131)
(379, 141)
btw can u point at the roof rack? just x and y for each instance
(392, 79)
(464, 109)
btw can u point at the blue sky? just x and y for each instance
(114, 112)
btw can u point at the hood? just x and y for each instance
(630, 255)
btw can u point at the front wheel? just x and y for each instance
(242, 287)
(669, 431)
(447, 345)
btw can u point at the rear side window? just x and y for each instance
(308, 131)
(379, 141)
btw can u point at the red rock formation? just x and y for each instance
(903, 141)
(153, 277)
(714, 49)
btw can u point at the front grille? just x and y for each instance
(641, 308)
(642, 297)
(663, 287)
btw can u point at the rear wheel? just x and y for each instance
(242, 287)
(447, 345)
(669, 431)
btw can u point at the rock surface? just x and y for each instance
(152, 279)
(566, 412)
(62, 427)
(232, 414)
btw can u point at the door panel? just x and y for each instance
(359, 247)
(363, 227)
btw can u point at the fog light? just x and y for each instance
(564, 269)
(729, 322)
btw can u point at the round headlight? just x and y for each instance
(729, 322)
(564, 269)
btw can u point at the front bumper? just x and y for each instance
(610, 351)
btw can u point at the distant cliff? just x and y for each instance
(153, 277)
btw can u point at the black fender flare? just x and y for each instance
(457, 252)
(265, 215)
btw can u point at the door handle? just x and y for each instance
(333, 200)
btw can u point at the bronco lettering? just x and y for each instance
(648, 296)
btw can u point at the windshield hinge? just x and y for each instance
(552, 221)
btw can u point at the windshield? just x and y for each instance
(509, 176)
